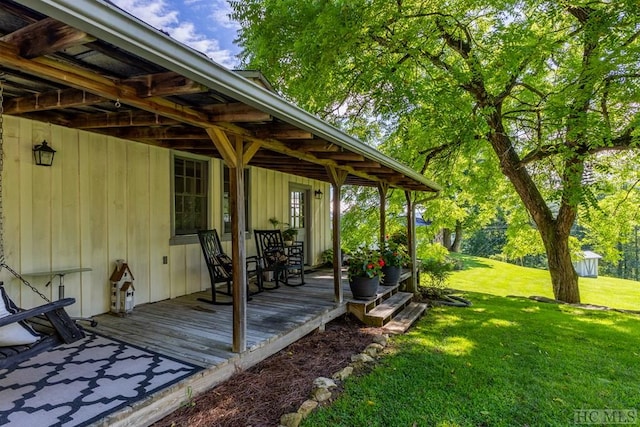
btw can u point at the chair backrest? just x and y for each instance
(218, 263)
(269, 245)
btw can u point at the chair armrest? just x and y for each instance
(36, 311)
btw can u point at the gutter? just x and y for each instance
(111, 24)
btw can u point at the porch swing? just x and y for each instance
(19, 340)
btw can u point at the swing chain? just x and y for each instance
(25, 281)
(1, 167)
(3, 264)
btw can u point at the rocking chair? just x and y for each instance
(220, 266)
(275, 257)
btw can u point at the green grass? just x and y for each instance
(500, 278)
(503, 361)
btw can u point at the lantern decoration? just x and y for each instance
(122, 290)
(43, 154)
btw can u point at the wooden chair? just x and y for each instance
(59, 326)
(275, 257)
(220, 265)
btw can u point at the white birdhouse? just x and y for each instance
(122, 289)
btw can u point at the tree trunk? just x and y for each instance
(446, 238)
(563, 276)
(457, 240)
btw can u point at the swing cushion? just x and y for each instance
(20, 333)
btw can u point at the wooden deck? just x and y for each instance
(201, 333)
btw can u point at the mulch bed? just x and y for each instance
(279, 384)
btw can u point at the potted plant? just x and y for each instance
(395, 257)
(365, 270)
(289, 235)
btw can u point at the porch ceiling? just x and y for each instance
(80, 64)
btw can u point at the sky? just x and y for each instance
(203, 25)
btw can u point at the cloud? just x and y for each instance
(162, 15)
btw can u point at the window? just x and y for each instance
(296, 214)
(190, 195)
(226, 201)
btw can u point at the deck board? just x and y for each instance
(201, 333)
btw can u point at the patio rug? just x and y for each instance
(78, 384)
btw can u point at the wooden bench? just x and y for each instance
(62, 330)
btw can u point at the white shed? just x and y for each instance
(587, 264)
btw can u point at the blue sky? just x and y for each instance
(201, 24)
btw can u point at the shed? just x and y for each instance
(587, 264)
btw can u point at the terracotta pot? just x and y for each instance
(364, 287)
(391, 275)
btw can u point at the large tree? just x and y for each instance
(548, 85)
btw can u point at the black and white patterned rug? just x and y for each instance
(78, 384)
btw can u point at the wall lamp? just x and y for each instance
(43, 154)
(318, 194)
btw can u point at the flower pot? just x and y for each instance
(364, 287)
(391, 275)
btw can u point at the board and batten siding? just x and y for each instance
(106, 199)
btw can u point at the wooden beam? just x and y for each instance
(365, 165)
(315, 145)
(120, 119)
(250, 150)
(276, 133)
(236, 113)
(180, 132)
(44, 37)
(341, 156)
(63, 98)
(164, 84)
(224, 146)
(336, 176)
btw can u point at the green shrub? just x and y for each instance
(437, 273)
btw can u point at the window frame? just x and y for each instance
(189, 238)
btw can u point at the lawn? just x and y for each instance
(500, 278)
(501, 362)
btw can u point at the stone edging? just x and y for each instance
(322, 386)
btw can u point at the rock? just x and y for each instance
(343, 374)
(373, 349)
(381, 339)
(292, 419)
(306, 408)
(323, 382)
(320, 394)
(361, 358)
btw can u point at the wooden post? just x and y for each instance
(383, 188)
(236, 156)
(238, 251)
(411, 241)
(337, 178)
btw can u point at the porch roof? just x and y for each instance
(86, 64)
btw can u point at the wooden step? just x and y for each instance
(382, 313)
(406, 318)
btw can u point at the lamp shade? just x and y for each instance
(43, 154)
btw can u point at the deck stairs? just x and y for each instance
(389, 308)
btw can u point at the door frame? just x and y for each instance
(307, 211)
